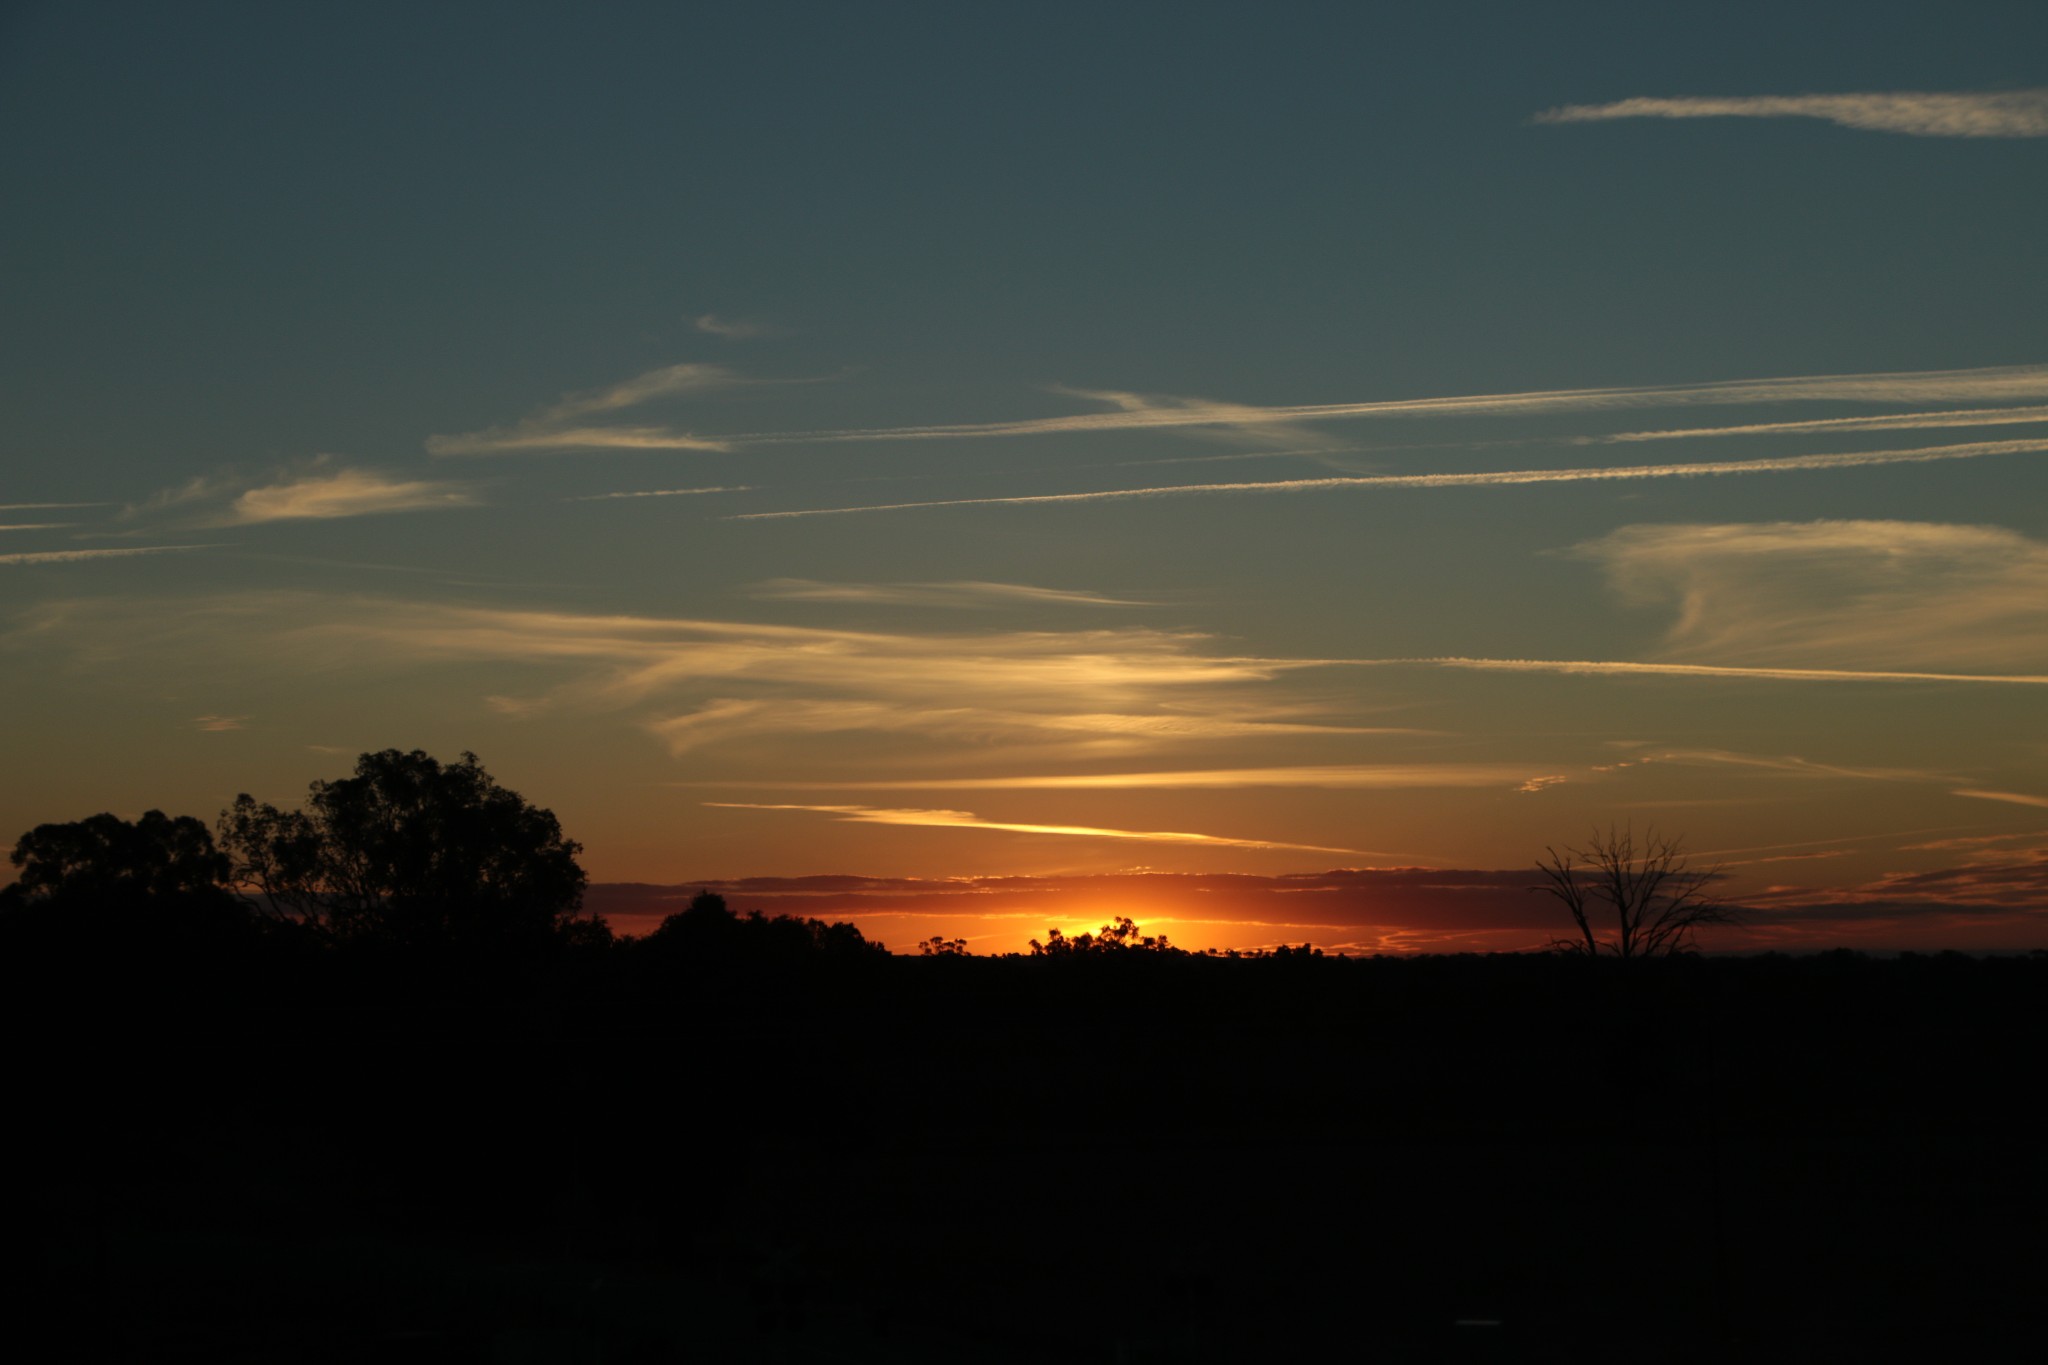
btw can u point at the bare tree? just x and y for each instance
(1629, 900)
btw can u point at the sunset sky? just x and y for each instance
(1266, 470)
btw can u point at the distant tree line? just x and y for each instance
(409, 853)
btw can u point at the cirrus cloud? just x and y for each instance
(81, 556)
(2004, 114)
(961, 819)
(1885, 595)
(346, 493)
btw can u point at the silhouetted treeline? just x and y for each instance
(257, 1136)
(730, 1140)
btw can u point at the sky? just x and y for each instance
(972, 469)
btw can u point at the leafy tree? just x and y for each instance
(410, 849)
(938, 945)
(142, 886)
(708, 929)
(106, 858)
(1629, 900)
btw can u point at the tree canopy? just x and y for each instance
(708, 929)
(136, 889)
(106, 859)
(409, 849)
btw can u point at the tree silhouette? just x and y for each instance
(134, 888)
(106, 858)
(1120, 935)
(409, 849)
(708, 930)
(1650, 895)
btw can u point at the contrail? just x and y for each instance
(1595, 666)
(1498, 478)
(1917, 113)
(75, 556)
(1990, 384)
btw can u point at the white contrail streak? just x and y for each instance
(1497, 478)
(1353, 776)
(961, 819)
(2016, 798)
(1903, 421)
(2006, 113)
(663, 493)
(1598, 666)
(2013, 382)
(73, 556)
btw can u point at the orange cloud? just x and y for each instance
(961, 819)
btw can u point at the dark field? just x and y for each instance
(269, 1154)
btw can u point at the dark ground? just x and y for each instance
(273, 1156)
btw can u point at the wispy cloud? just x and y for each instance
(2014, 113)
(663, 493)
(960, 819)
(217, 724)
(1332, 776)
(77, 556)
(1903, 421)
(1992, 879)
(1882, 595)
(1976, 844)
(1625, 667)
(1791, 765)
(945, 696)
(666, 382)
(1137, 413)
(1096, 734)
(347, 493)
(962, 594)
(38, 526)
(46, 506)
(574, 423)
(1788, 464)
(643, 656)
(316, 490)
(2012, 798)
(736, 329)
(510, 440)
(1246, 421)
(565, 425)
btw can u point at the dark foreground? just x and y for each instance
(268, 1156)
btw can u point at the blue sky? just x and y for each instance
(442, 380)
